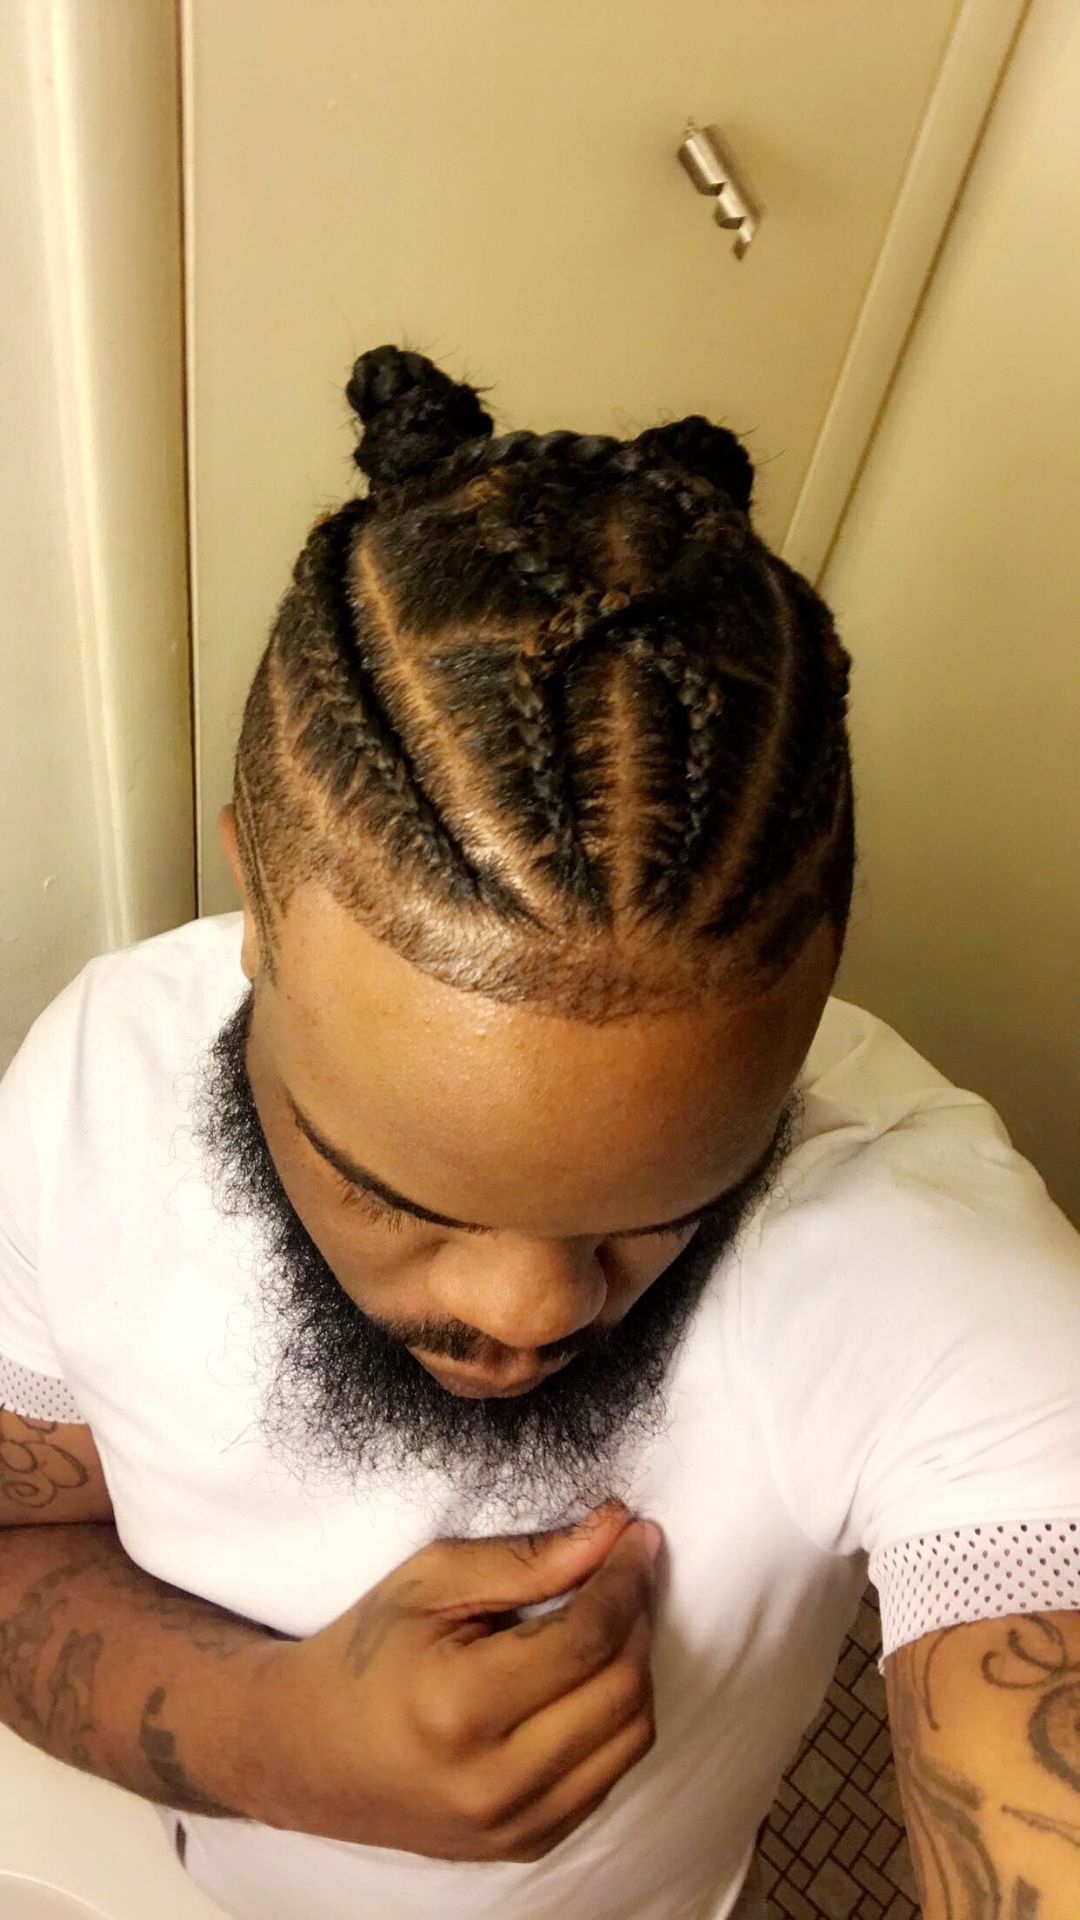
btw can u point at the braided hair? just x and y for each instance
(544, 713)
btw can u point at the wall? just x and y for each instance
(508, 199)
(956, 583)
(95, 778)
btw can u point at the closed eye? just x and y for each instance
(381, 1213)
(396, 1219)
(357, 1187)
(661, 1233)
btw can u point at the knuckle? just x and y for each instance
(630, 1687)
(480, 1804)
(445, 1720)
(536, 1846)
(645, 1730)
(524, 1854)
(599, 1629)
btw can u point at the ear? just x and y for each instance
(249, 953)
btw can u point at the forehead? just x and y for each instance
(509, 1115)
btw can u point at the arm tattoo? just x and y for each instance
(954, 1867)
(203, 1624)
(26, 1633)
(1035, 1659)
(1042, 1822)
(61, 1721)
(159, 1747)
(948, 1817)
(924, 1689)
(33, 1468)
(70, 1687)
(375, 1623)
(50, 1666)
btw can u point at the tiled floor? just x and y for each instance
(834, 1846)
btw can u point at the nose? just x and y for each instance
(521, 1293)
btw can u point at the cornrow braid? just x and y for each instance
(345, 737)
(667, 884)
(533, 691)
(809, 756)
(582, 616)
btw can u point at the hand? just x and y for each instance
(421, 1720)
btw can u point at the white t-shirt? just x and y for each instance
(892, 1352)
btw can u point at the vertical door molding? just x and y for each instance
(982, 40)
(103, 99)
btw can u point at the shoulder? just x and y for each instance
(128, 1022)
(184, 975)
(910, 1303)
(906, 1250)
(186, 968)
(884, 1137)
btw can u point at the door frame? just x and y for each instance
(980, 47)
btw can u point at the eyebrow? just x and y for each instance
(369, 1182)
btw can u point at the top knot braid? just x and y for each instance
(547, 703)
(413, 414)
(699, 447)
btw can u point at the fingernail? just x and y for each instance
(652, 1537)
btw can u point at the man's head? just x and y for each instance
(542, 820)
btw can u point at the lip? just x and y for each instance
(471, 1386)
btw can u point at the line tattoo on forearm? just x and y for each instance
(70, 1689)
(26, 1635)
(49, 1664)
(206, 1627)
(374, 1624)
(1045, 1823)
(158, 1744)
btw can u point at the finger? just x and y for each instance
(562, 1810)
(547, 1748)
(515, 1674)
(538, 1849)
(455, 1580)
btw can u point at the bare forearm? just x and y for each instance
(110, 1669)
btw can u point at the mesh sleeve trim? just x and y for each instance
(36, 1396)
(949, 1579)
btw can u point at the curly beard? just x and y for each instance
(342, 1397)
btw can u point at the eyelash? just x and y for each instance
(380, 1213)
(372, 1207)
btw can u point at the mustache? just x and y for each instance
(452, 1340)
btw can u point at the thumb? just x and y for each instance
(461, 1578)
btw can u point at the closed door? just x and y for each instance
(495, 184)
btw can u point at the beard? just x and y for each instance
(343, 1398)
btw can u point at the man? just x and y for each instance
(457, 1386)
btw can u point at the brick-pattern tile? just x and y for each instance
(833, 1846)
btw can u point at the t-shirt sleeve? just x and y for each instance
(31, 1092)
(911, 1315)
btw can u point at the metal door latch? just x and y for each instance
(707, 159)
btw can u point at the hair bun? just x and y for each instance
(413, 414)
(703, 448)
